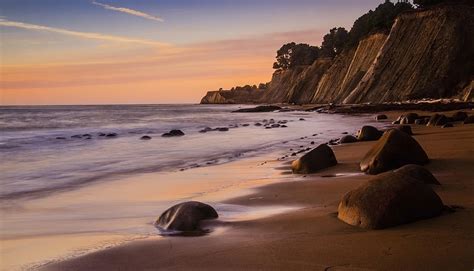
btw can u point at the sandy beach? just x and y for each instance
(311, 237)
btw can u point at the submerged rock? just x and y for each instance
(395, 149)
(185, 216)
(388, 200)
(369, 133)
(347, 139)
(173, 133)
(418, 172)
(319, 158)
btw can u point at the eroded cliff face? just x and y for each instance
(238, 96)
(428, 54)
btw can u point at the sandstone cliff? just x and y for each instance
(427, 54)
(245, 95)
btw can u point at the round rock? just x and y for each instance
(185, 216)
(319, 158)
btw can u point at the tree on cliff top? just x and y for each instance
(334, 42)
(291, 55)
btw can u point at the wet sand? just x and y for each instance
(311, 237)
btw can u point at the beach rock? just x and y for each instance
(145, 137)
(447, 125)
(76, 136)
(102, 134)
(396, 122)
(393, 150)
(173, 133)
(302, 119)
(185, 216)
(347, 139)
(205, 130)
(405, 129)
(275, 125)
(421, 121)
(388, 200)
(111, 135)
(418, 172)
(469, 120)
(381, 117)
(459, 116)
(319, 158)
(222, 129)
(60, 137)
(368, 133)
(258, 124)
(284, 126)
(262, 108)
(245, 125)
(437, 120)
(409, 118)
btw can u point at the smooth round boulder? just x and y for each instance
(381, 117)
(368, 133)
(459, 116)
(393, 150)
(173, 133)
(319, 158)
(145, 137)
(347, 139)
(418, 172)
(469, 120)
(185, 217)
(388, 200)
(405, 129)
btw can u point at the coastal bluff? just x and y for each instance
(428, 53)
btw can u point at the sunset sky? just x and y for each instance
(151, 51)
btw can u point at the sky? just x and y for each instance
(151, 51)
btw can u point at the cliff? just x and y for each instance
(240, 95)
(427, 54)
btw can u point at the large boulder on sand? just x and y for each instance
(418, 172)
(369, 133)
(408, 118)
(347, 139)
(315, 160)
(388, 200)
(393, 150)
(185, 216)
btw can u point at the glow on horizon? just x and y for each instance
(113, 58)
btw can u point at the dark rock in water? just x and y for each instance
(185, 216)
(222, 129)
(145, 137)
(469, 120)
(381, 117)
(368, 133)
(268, 127)
(421, 121)
(205, 130)
(173, 133)
(102, 134)
(302, 119)
(459, 116)
(111, 135)
(345, 133)
(245, 124)
(284, 126)
(347, 139)
(258, 124)
(60, 137)
(405, 129)
(418, 172)
(388, 200)
(312, 143)
(76, 136)
(275, 126)
(319, 158)
(437, 120)
(409, 118)
(447, 125)
(293, 154)
(86, 135)
(262, 108)
(395, 149)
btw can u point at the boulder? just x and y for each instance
(388, 200)
(185, 216)
(347, 139)
(393, 150)
(111, 135)
(418, 172)
(421, 121)
(469, 120)
(437, 120)
(319, 158)
(145, 137)
(381, 117)
(459, 116)
(173, 133)
(409, 118)
(368, 133)
(405, 129)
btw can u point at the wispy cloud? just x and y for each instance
(129, 11)
(85, 35)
